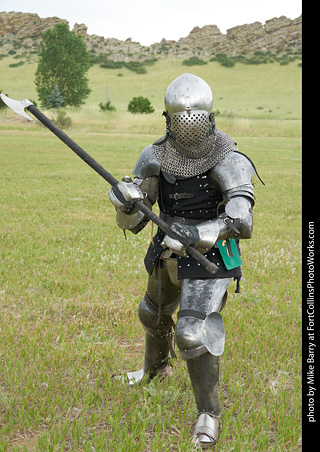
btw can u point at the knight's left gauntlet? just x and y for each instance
(179, 237)
(236, 222)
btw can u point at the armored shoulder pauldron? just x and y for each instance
(147, 165)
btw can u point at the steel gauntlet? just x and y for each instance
(124, 194)
(179, 237)
(128, 217)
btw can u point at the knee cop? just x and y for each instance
(153, 320)
(200, 327)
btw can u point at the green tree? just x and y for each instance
(55, 100)
(140, 105)
(63, 62)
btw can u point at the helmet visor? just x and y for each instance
(190, 129)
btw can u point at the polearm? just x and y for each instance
(18, 106)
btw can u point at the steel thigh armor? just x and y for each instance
(162, 296)
(200, 327)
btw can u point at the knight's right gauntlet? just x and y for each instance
(124, 194)
(145, 190)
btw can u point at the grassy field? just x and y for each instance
(71, 284)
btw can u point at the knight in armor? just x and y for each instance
(203, 186)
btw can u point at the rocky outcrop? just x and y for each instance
(276, 34)
(21, 33)
(81, 29)
(25, 25)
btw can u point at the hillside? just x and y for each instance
(20, 33)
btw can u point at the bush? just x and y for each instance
(150, 61)
(227, 62)
(134, 66)
(140, 105)
(194, 61)
(224, 60)
(107, 106)
(16, 64)
(138, 69)
(110, 64)
(62, 121)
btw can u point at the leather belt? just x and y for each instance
(178, 196)
(169, 220)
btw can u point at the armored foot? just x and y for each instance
(207, 430)
(139, 376)
(132, 378)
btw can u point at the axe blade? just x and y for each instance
(18, 106)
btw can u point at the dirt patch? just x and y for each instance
(28, 441)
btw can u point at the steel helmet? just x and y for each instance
(192, 144)
(188, 108)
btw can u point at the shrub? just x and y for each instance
(16, 64)
(110, 64)
(137, 67)
(194, 61)
(224, 60)
(107, 106)
(150, 61)
(252, 60)
(62, 121)
(134, 66)
(228, 62)
(140, 105)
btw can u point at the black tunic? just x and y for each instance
(195, 200)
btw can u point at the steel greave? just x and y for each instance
(204, 376)
(156, 357)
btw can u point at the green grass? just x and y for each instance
(268, 91)
(71, 284)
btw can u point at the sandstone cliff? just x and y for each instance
(21, 33)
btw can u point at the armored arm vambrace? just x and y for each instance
(232, 176)
(236, 223)
(136, 220)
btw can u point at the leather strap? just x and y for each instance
(192, 313)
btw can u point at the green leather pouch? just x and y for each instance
(230, 253)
